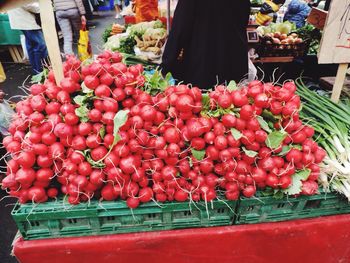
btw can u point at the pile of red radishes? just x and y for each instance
(99, 135)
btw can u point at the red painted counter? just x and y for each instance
(321, 240)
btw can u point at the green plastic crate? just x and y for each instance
(269, 209)
(7, 35)
(59, 219)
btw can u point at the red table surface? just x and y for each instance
(319, 240)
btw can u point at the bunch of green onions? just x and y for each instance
(331, 122)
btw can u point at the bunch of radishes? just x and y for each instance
(99, 135)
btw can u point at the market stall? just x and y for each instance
(110, 160)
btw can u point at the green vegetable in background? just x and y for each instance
(310, 35)
(127, 45)
(107, 33)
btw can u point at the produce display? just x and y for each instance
(101, 135)
(280, 40)
(112, 30)
(283, 28)
(312, 36)
(144, 39)
(332, 125)
(284, 39)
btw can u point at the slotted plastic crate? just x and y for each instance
(59, 219)
(269, 209)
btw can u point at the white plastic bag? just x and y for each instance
(24, 48)
(6, 114)
(252, 71)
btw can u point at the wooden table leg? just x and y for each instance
(339, 82)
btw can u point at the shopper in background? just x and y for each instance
(145, 10)
(207, 44)
(70, 16)
(88, 11)
(297, 12)
(23, 18)
(118, 8)
(118, 5)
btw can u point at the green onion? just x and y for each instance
(331, 122)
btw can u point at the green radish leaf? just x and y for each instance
(102, 131)
(119, 120)
(263, 124)
(297, 146)
(93, 163)
(80, 100)
(267, 192)
(85, 89)
(285, 150)
(168, 77)
(297, 184)
(236, 134)
(232, 86)
(216, 114)
(270, 117)
(249, 153)
(274, 139)
(205, 99)
(199, 155)
(82, 113)
(41, 77)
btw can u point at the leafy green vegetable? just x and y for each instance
(199, 155)
(40, 77)
(236, 134)
(249, 153)
(119, 120)
(107, 33)
(102, 131)
(275, 138)
(232, 86)
(93, 163)
(155, 82)
(285, 150)
(82, 113)
(312, 36)
(267, 115)
(80, 99)
(297, 184)
(127, 44)
(263, 124)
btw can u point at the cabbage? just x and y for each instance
(285, 27)
(140, 28)
(113, 43)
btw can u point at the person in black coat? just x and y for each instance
(207, 44)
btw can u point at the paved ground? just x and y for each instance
(19, 75)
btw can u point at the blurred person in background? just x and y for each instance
(145, 10)
(208, 43)
(118, 8)
(23, 18)
(119, 5)
(70, 16)
(297, 12)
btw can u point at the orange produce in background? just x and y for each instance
(146, 10)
